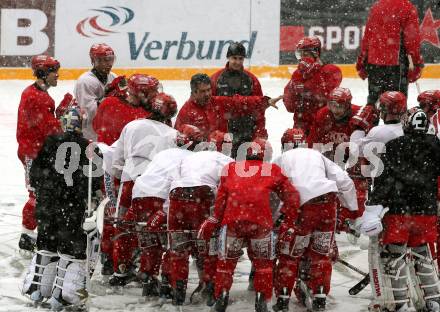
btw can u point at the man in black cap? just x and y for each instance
(234, 79)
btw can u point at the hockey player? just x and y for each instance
(243, 213)
(115, 112)
(210, 113)
(404, 215)
(332, 124)
(90, 86)
(311, 83)
(234, 79)
(192, 194)
(331, 134)
(35, 122)
(390, 49)
(110, 121)
(150, 192)
(59, 176)
(307, 245)
(140, 140)
(429, 102)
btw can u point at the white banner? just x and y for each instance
(167, 33)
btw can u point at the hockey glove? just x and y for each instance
(371, 222)
(208, 227)
(90, 223)
(366, 118)
(64, 104)
(308, 66)
(156, 221)
(415, 74)
(360, 67)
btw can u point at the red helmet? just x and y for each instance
(165, 105)
(341, 96)
(189, 134)
(309, 44)
(259, 149)
(339, 102)
(218, 138)
(294, 136)
(430, 99)
(140, 83)
(100, 50)
(392, 102)
(44, 64)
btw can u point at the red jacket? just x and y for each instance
(326, 129)
(216, 113)
(36, 121)
(112, 116)
(244, 193)
(388, 22)
(305, 102)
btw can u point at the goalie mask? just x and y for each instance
(415, 120)
(72, 120)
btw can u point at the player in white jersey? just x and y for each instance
(309, 242)
(150, 193)
(90, 86)
(191, 198)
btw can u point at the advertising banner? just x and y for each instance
(26, 29)
(167, 33)
(340, 25)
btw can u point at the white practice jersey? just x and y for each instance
(139, 142)
(201, 168)
(382, 134)
(157, 177)
(314, 175)
(107, 156)
(87, 91)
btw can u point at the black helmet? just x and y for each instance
(415, 120)
(236, 48)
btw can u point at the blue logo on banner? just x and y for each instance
(100, 25)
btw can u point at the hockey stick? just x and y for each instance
(411, 67)
(348, 265)
(154, 232)
(360, 285)
(89, 211)
(118, 201)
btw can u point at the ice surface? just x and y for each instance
(13, 196)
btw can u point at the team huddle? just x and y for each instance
(111, 178)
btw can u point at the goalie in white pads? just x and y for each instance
(59, 176)
(405, 196)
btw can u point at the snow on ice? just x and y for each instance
(13, 196)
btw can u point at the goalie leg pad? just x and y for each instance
(70, 282)
(426, 278)
(41, 275)
(388, 269)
